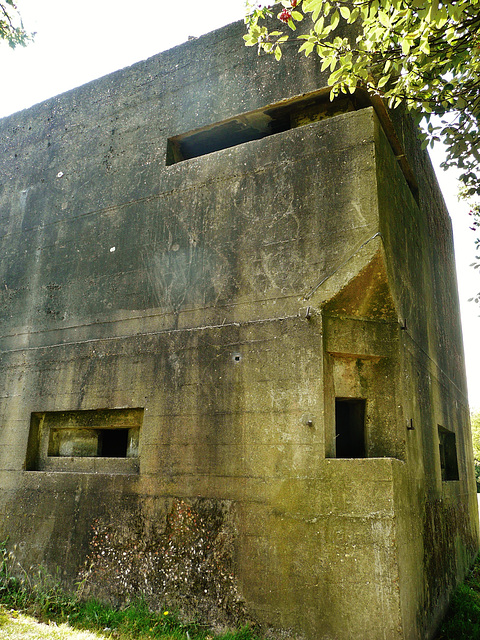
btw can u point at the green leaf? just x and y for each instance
(307, 47)
(335, 76)
(424, 46)
(325, 64)
(310, 6)
(317, 9)
(249, 41)
(384, 19)
(345, 12)
(354, 15)
(433, 11)
(335, 20)
(405, 47)
(278, 53)
(383, 81)
(455, 10)
(319, 25)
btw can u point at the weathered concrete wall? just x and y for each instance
(231, 299)
(422, 277)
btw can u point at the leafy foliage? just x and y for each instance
(423, 54)
(11, 25)
(475, 421)
(462, 621)
(475, 226)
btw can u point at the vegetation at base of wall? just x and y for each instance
(462, 621)
(132, 623)
(41, 597)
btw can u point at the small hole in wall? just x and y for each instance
(237, 357)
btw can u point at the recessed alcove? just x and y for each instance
(80, 440)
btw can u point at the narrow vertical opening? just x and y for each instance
(448, 454)
(350, 427)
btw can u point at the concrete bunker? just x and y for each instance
(177, 401)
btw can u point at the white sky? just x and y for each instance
(79, 41)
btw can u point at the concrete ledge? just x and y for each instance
(91, 465)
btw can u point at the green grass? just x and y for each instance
(134, 622)
(61, 615)
(17, 626)
(462, 621)
(55, 614)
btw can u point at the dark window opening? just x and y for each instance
(448, 454)
(350, 427)
(113, 443)
(73, 440)
(259, 124)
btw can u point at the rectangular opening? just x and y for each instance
(448, 454)
(79, 440)
(260, 123)
(113, 443)
(350, 428)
